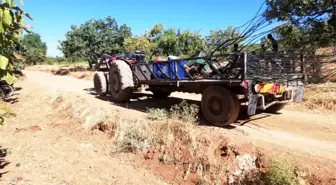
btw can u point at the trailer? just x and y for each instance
(263, 81)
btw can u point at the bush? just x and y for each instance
(157, 114)
(50, 61)
(282, 172)
(132, 137)
(183, 112)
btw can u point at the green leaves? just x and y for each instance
(139, 43)
(6, 69)
(35, 49)
(7, 18)
(95, 37)
(11, 26)
(219, 36)
(104, 36)
(4, 110)
(314, 21)
(3, 62)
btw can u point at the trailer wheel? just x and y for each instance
(275, 108)
(100, 83)
(160, 94)
(121, 81)
(220, 106)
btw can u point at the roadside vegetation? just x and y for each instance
(170, 136)
(176, 141)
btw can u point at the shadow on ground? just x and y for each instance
(3, 162)
(142, 102)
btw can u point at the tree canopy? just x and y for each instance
(35, 49)
(11, 26)
(94, 38)
(217, 37)
(306, 22)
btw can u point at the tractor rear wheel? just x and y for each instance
(121, 81)
(220, 106)
(100, 83)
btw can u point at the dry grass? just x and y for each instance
(183, 112)
(211, 158)
(79, 71)
(91, 117)
(134, 137)
(322, 96)
(157, 114)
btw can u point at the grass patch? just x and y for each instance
(132, 137)
(161, 127)
(282, 172)
(157, 114)
(183, 112)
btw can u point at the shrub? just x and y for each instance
(282, 172)
(132, 137)
(183, 112)
(157, 114)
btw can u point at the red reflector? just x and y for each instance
(244, 84)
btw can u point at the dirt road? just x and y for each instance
(304, 131)
(43, 157)
(35, 150)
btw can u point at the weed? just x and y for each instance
(132, 137)
(185, 112)
(157, 114)
(282, 172)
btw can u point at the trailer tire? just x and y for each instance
(220, 106)
(121, 81)
(100, 83)
(159, 94)
(275, 108)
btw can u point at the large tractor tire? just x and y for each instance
(121, 81)
(100, 83)
(275, 108)
(220, 106)
(160, 94)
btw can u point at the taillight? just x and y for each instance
(244, 84)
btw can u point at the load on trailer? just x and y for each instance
(264, 81)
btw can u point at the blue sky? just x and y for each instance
(53, 18)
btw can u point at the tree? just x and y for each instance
(139, 43)
(172, 42)
(94, 38)
(167, 43)
(35, 49)
(155, 32)
(315, 20)
(190, 43)
(11, 26)
(217, 37)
